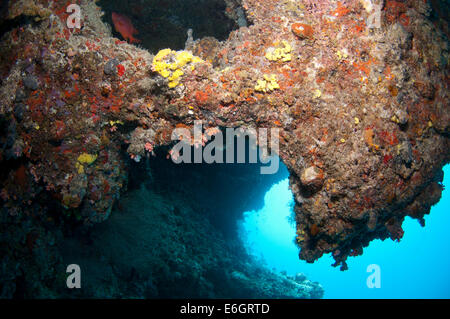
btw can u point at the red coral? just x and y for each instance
(387, 158)
(341, 10)
(120, 69)
(394, 11)
(388, 138)
(201, 97)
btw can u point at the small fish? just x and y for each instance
(123, 25)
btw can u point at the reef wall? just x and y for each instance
(358, 89)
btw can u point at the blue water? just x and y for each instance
(416, 267)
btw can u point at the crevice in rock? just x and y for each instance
(11, 24)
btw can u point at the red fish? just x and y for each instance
(123, 25)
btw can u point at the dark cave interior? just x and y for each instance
(220, 192)
(165, 23)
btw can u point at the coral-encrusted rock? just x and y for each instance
(303, 31)
(30, 82)
(312, 178)
(365, 107)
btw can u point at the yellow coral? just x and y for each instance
(395, 119)
(280, 53)
(113, 123)
(183, 58)
(84, 159)
(80, 168)
(169, 64)
(269, 84)
(317, 94)
(342, 55)
(158, 64)
(300, 236)
(261, 86)
(174, 78)
(165, 73)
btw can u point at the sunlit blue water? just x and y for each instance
(417, 267)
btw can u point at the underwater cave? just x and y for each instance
(165, 23)
(176, 233)
(87, 176)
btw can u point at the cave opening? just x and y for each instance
(165, 23)
(269, 235)
(220, 192)
(175, 233)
